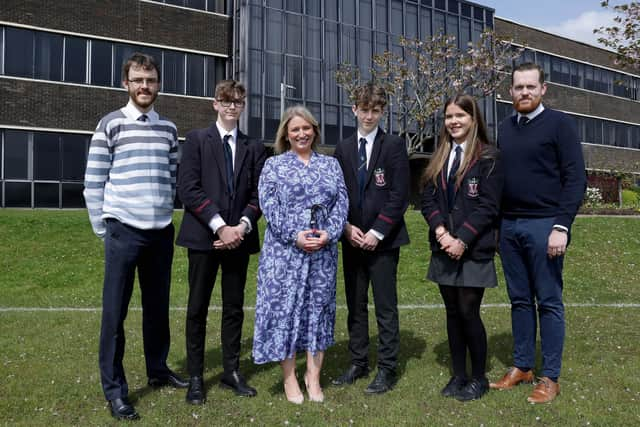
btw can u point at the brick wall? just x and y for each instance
(61, 106)
(125, 19)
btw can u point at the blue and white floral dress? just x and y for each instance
(296, 291)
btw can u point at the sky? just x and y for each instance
(574, 19)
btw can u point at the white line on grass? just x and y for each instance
(342, 307)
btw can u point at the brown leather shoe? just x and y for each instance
(545, 391)
(513, 377)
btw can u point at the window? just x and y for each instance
(173, 72)
(411, 21)
(313, 38)
(312, 7)
(365, 14)
(195, 75)
(17, 194)
(46, 156)
(19, 52)
(425, 23)
(396, 17)
(46, 195)
(381, 15)
(274, 38)
(75, 60)
(313, 79)
(74, 156)
(100, 63)
(16, 157)
(348, 12)
(294, 34)
(48, 56)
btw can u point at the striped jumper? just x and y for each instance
(131, 170)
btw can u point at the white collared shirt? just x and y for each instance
(532, 115)
(452, 154)
(130, 110)
(369, 147)
(232, 141)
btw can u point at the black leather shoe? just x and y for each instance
(121, 409)
(195, 392)
(351, 375)
(454, 386)
(237, 383)
(171, 379)
(475, 389)
(382, 383)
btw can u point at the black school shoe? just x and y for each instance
(475, 389)
(454, 386)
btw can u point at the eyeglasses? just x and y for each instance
(140, 81)
(239, 103)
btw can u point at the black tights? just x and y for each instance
(465, 329)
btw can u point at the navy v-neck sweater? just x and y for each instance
(543, 167)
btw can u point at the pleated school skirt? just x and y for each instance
(475, 274)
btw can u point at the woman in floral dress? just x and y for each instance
(304, 200)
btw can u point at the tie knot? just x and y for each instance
(523, 120)
(458, 149)
(363, 141)
(143, 118)
(226, 138)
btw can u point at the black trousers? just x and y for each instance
(151, 252)
(379, 268)
(203, 268)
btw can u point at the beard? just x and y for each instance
(136, 97)
(526, 108)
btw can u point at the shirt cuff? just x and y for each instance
(560, 227)
(378, 235)
(246, 221)
(216, 222)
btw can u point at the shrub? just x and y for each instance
(630, 198)
(592, 197)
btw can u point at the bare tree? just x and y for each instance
(428, 73)
(624, 36)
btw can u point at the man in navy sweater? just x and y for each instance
(544, 185)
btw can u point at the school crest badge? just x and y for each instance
(472, 187)
(378, 175)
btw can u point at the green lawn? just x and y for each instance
(48, 359)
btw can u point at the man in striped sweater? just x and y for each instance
(130, 184)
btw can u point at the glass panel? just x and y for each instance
(294, 6)
(425, 23)
(465, 10)
(19, 52)
(294, 34)
(271, 117)
(274, 38)
(16, 157)
(331, 9)
(255, 71)
(381, 15)
(488, 18)
(277, 4)
(396, 16)
(349, 12)
(195, 75)
(381, 42)
(72, 196)
(46, 195)
(438, 23)
(48, 56)
(411, 29)
(74, 156)
(364, 52)
(365, 14)
(75, 60)
(100, 63)
(216, 6)
(313, 38)
(331, 134)
(255, 29)
(331, 62)
(312, 7)
(478, 13)
(1, 72)
(441, 4)
(313, 79)
(46, 156)
(453, 6)
(173, 72)
(465, 32)
(273, 73)
(452, 27)
(348, 44)
(196, 4)
(315, 110)
(294, 77)
(348, 122)
(255, 117)
(17, 194)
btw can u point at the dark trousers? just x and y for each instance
(532, 277)
(379, 268)
(203, 268)
(151, 252)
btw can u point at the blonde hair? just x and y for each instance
(476, 141)
(282, 144)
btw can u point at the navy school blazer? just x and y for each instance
(386, 194)
(474, 218)
(202, 187)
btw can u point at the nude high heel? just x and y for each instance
(313, 397)
(296, 399)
